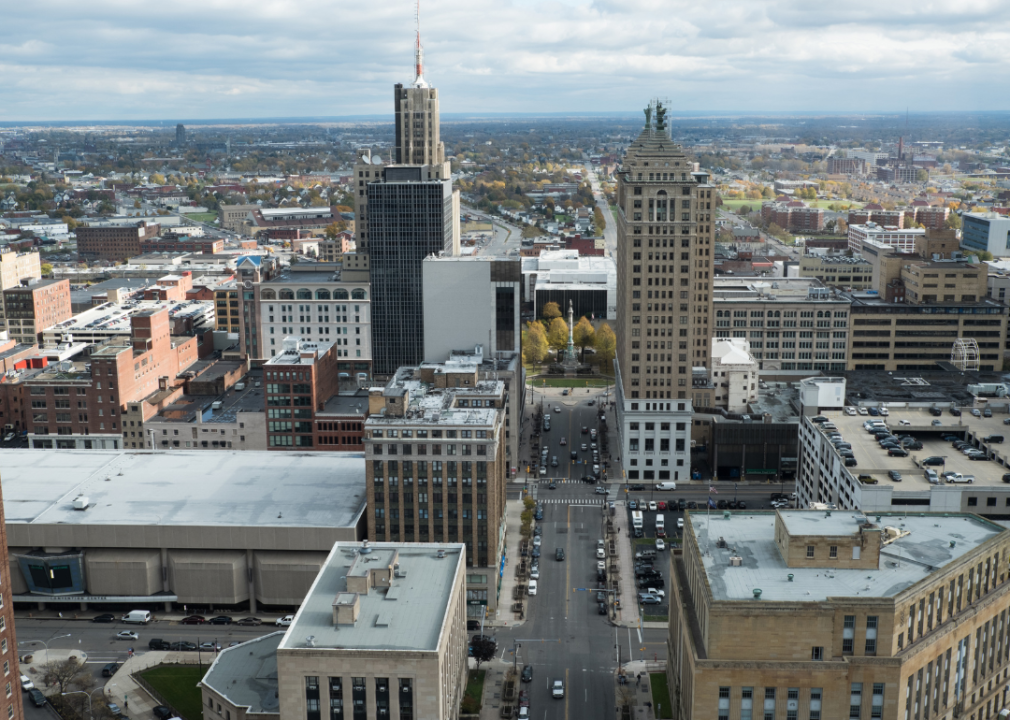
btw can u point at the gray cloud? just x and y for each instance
(107, 59)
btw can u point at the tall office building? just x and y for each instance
(665, 244)
(411, 217)
(417, 143)
(180, 134)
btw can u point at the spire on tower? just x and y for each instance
(419, 81)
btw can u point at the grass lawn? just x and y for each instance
(474, 695)
(570, 382)
(660, 695)
(203, 217)
(177, 684)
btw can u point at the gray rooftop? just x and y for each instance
(410, 615)
(247, 674)
(904, 562)
(181, 487)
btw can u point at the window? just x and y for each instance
(848, 631)
(833, 552)
(817, 653)
(746, 703)
(769, 704)
(724, 703)
(810, 551)
(871, 635)
(815, 704)
(855, 701)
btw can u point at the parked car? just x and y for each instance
(249, 621)
(894, 475)
(632, 505)
(183, 646)
(26, 683)
(531, 589)
(284, 621)
(106, 618)
(110, 669)
(37, 698)
(193, 620)
(648, 599)
(158, 644)
(161, 712)
(527, 675)
(221, 620)
(933, 460)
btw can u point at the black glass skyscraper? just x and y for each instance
(410, 218)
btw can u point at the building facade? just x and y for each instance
(810, 614)
(891, 237)
(114, 242)
(14, 709)
(988, 231)
(665, 250)
(301, 377)
(436, 468)
(30, 309)
(853, 272)
(790, 323)
(370, 657)
(16, 267)
(409, 218)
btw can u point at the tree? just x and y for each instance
(62, 673)
(71, 223)
(584, 334)
(605, 343)
(535, 344)
(557, 336)
(47, 269)
(483, 649)
(334, 229)
(984, 255)
(953, 221)
(158, 179)
(551, 311)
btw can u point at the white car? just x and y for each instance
(862, 411)
(285, 621)
(8, 437)
(532, 588)
(652, 505)
(127, 635)
(557, 410)
(536, 541)
(558, 689)
(654, 591)
(883, 411)
(850, 411)
(660, 545)
(601, 565)
(547, 418)
(26, 683)
(535, 573)
(601, 554)
(904, 422)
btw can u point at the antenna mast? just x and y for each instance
(418, 49)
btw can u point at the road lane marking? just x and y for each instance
(568, 565)
(567, 693)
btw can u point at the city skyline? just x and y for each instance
(337, 60)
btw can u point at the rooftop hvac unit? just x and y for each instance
(735, 561)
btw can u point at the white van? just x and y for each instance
(137, 616)
(666, 486)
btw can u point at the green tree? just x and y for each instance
(953, 221)
(534, 344)
(551, 311)
(71, 223)
(605, 343)
(984, 255)
(584, 334)
(557, 336)
(47, 269)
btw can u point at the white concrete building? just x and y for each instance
(734, 374)
(897, 239)
(589, 281)
(988, 231)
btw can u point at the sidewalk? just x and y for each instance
(628, 615)
(123, 690)
(635, 693)
(504, 617)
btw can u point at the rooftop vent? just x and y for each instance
(757, 593)
(440, 554)
(364, 549)
(81, 503)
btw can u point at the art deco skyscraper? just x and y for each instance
(665, 245)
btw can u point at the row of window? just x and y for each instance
(748, 710)
(319, 294)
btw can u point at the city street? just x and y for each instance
(610, 231)
(565, 636)
(568, 416)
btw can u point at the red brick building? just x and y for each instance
(114, 243)
(173, 243)
(299, 381)
(76, 406)
(793, 215)
(30, 309)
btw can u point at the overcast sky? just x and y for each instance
(202, 59)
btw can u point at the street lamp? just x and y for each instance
(87, 695)
(44, 642)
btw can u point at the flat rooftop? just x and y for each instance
(114, 319)
(938, 386)
(246, 674)
(410, 615)
(904, 562)
(873, 460)
(431, 405)
(183, 488)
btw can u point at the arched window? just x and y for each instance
(304, 294)
(322, 294)
(268, 295)
(358, 294)
(340, 294)
(287, 294)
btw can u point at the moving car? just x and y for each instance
(193, 620)
(527, 675)
(161, 712)
(106, 618)
(127, 635)
(933, 460)
(110, 669)
(559, 554)
(221, 620)
(660, 544)
(249, 621)
(284, 621)
(558, 689)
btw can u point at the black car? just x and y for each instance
(221, 620)
(37, 697)
(161, 712)
(539, 515)
(472, 625)
(601, 575)
(741, 505)
(536, 551)
(956, 412)
(527, 675)
(638, 488)
(249, 621)
(897, 452)
(894, 475)
(655, 582)
(601, 608)
(106, 618)
(588, 479)
(692, 505)
(682, 504)
(721, 505)
(183, 646)
(159, 644)
(934, 460)
(477, 638)
(538, 530)
(559, 554)
(110, 669)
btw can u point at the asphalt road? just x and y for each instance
(564, 636)
(568, 416)
(610, 231)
